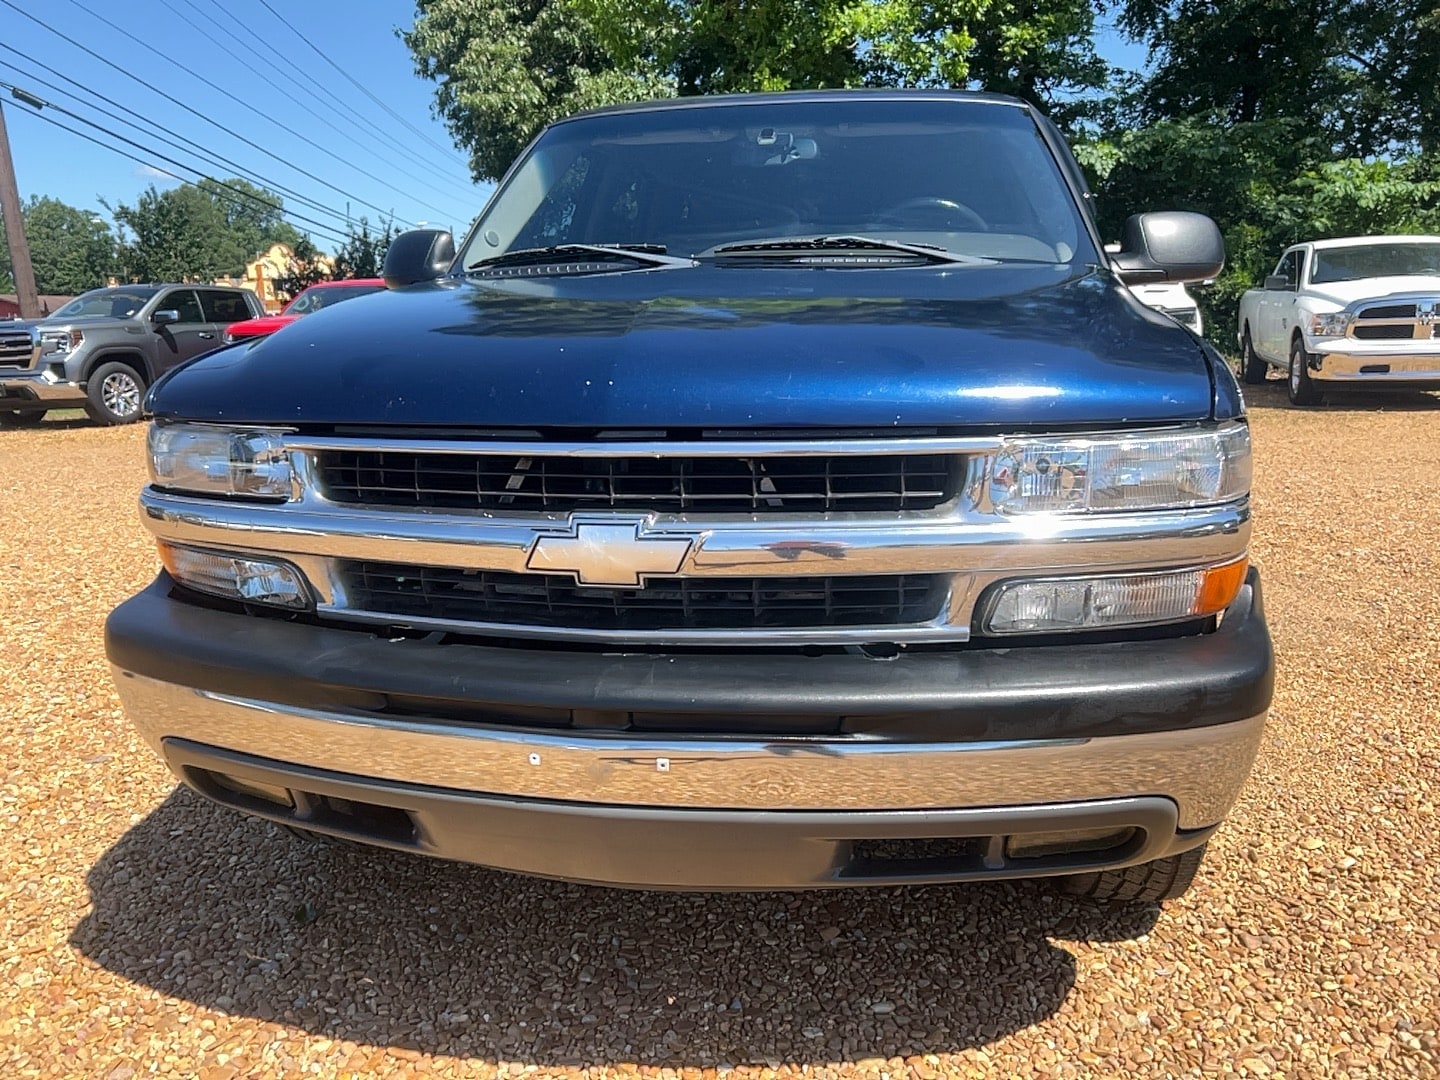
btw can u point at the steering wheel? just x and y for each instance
(940, 211)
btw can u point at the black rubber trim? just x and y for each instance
(1055, 691)
(660, 848)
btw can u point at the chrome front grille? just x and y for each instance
(671, 484)
(17, 348)
(739, 603)
(1408, 320)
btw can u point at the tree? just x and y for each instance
(306, 266)
(198, 232)
(362, 255)
(505, 68)
(71, 249)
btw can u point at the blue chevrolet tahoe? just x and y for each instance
(769, 491)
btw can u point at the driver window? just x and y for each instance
(183, 301)
(1289, 269)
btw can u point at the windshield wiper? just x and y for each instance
(646, 254)
(802, 244)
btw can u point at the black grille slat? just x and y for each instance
(1388, 311)
(549, 600)
(15, 349)
(669, 484)
(1385, 332)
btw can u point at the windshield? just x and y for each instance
(317, 297)
(972, 177)
(1376, 260)
(106, 304)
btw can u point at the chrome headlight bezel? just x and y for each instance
(1330, 324)
(1146, 469)
(231, 462)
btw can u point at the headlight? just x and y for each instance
(237, 577)
(1140, 470)
(219, 461)
(1330, 324)
(60, 341)
(1106, 602)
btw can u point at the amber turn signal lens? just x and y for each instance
(1220, 587)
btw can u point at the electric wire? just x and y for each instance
(184, 145)
(386, 145)
(228, 95)
(195, 112)
(353, 81)
(236, 192)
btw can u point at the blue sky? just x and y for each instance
(334, 141)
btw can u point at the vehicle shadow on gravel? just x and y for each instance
(401, 951)
(1271, 395)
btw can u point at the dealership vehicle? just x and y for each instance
(100, 351)
(324, 294)
(774, 491)
(1358, 313)
(1171, 298)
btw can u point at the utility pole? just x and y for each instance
(15, 230)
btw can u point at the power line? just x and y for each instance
(195, 112)
(225, 93)
(387, 145)
(364, 119)
(237, 192)
(355, 82)
(212, 159)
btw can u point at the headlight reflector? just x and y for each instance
(1139, 470)
(237, 577)
(1330, 324)
(219, 461)
(1105, 602)
(60, 341)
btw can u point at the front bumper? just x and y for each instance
(1397, 365)
(39, 391)
(397, 743)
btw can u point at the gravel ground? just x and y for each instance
(144, 931)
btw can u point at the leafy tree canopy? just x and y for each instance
(198, 232)
(71, 250)
(506, 68)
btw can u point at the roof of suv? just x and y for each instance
(709, 101)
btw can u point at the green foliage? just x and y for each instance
(363, 253)
(198, 232)
(71, 250)
(505, 68)
(304, 268)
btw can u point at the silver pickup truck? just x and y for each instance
(100, 351)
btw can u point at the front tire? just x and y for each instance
(1302, 388)
(114, 394)
(1252, 369)
(1150, 883)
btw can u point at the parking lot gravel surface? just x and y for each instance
(145, 932)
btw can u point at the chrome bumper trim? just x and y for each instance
(1201, 769)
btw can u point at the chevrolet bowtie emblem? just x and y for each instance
(608, 553)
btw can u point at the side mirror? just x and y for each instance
(418, 255)
(1277, 283)
(1172, 245)
(165, 316)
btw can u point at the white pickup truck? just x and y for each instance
(1359, 313)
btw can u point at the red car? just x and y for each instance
(325, 294)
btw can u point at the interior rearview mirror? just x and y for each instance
(418, 255)
(165, 316)
(1170, 245)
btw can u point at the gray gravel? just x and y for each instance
(143, 931)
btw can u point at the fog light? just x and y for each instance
(1095, 603)
(235, 577)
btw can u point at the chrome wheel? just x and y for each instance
(1294, 375)
(121, 393)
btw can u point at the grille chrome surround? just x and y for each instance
(546, 600)
(1397, 318)
(964, 544)
(530, 481)
(18, 348)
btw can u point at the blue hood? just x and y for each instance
(717, 347)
